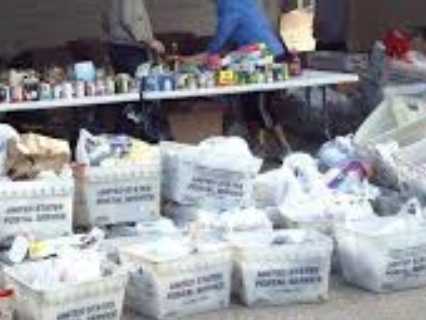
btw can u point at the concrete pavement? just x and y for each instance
(345, 303)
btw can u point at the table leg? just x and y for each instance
(308, 109)
(326, 110)
(269, 123)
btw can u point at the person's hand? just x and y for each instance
(157, 46)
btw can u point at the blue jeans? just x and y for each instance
(127, 58)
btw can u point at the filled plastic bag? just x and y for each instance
(111, 150)
(208, 175)
(32, 154)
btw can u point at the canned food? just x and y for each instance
(123, 83)
(90, 89)
(100, 88)
(4, 94)
(269, 75)
(192, 82)
(17, 94)
(46, 91)
(79, 89)
(286, 72)
(110, 86)
(133, 86)
(167, 83)
(68, 90)
(57, 91)
(151, 83)
(31, 91)
(181, 81)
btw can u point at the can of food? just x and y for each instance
(168, 83)
(57, 91)
(286, 71)
(100, 88)
(68, 90)
(211, 80)
(110, 86)
(269, 75)
(260, 75)
(46, 91)
(202, 80)
(17, 94)
(134, 85)
(79, 89)
(192, 82)
(90, 89)
(180, 81)
(123, 83)
(151, 83)
(4, 94)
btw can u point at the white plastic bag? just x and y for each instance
(217, 174)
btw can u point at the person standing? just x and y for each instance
(331, 24)
(130, 34)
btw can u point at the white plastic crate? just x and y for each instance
(98, 299)
(179, 286)
(42, 209)
(291, 266)
(106, 196)
(190, 176)
(382, 263)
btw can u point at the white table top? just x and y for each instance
(406, 89)
(69, 103)
(309, 78)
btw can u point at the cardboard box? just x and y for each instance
(194, 121)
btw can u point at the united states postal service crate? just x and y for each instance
(100, 298)
(180, 285)
(42, 209)
(291, 266)
(382, 263)
(107, 196)
(193, 176)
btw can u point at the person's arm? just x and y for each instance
(227, 23)
(135, 19)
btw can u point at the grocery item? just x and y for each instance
(214, 225)
(112, 151)
(31, 154)
(281, 267)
